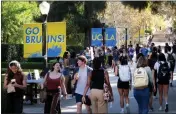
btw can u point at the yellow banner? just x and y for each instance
(56, 39)
(142, 33)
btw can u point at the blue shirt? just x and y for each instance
(144, 51)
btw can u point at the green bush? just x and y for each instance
(27, 65)
(11, 52)
(75, 49)
(148, 31)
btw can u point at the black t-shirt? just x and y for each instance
(97, 81)
(137, 49)
(174, 48)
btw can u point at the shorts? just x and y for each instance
(163, 82)
(123, 85)
(172, 68)
(79, 99)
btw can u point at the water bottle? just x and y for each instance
(29, 76)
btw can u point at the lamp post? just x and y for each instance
(139, 35)
(104, 38)
(44, 9)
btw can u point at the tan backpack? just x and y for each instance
(141, 79)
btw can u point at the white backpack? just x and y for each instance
(141, 79)
(124, 73)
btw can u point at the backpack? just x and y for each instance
(171, 60)
(164, 72)
(124, 73)
(141, 79)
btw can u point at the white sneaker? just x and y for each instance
(160, 109)
(122, 112)
(127, 109)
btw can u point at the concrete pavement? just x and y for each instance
(69, 106)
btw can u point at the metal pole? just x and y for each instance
(44, 42)
(103, 34)
(126, 40)
(139, 35)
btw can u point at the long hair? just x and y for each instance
(123, 60)
(96, 64)
(154, 53)
(65, 56)
(162, 57)
(142, 62)
(9, 71)
(52, 69)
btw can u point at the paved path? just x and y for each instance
(68, 106)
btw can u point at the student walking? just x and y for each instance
(66, 70)
(142, 82)
(81, 76)
(124, 82)
(96, 82)
(152, 59)
(163, 75)
(171, 60)
(15, 83)
(54, 83)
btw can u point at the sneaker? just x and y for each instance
(160, 109)
(151, 109)
(127, 109)
(122, 112)
(171, 85)
(166, 108)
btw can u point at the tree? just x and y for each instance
(14, 15)
(80, 17)
(118, 15)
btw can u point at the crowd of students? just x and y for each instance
(153, 71)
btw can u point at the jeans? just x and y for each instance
(14, 103)
(142, 97)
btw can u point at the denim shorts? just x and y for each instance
(79, 99)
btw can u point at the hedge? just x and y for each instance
(15, 52)
(28, 65)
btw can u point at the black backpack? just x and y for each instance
(164, 72)
(171, 60)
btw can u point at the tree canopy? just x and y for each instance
(14, 15)
(80, 17)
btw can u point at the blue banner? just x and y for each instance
(110, 37)
(97, 39)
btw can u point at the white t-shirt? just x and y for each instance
(82, 81)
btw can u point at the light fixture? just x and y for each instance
(44, 8)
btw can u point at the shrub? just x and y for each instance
(26, 65)
(75, 49)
